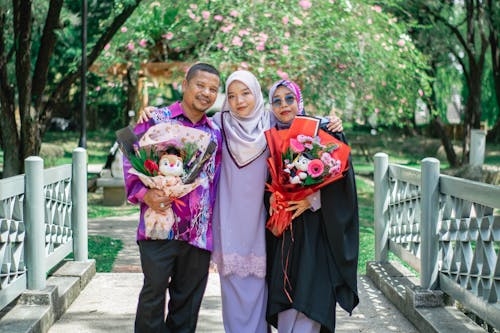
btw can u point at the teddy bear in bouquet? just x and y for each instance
(159, 223)
(298, 169)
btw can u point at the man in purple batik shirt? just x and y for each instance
(181, 262)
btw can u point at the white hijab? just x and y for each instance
(244, 136)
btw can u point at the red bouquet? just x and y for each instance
(303, 159)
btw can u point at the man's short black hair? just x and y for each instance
(201, 66)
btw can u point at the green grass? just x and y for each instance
(366, 231)
(98, 145)
(95, 207)
(104, 250)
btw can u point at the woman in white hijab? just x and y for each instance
(239, 216)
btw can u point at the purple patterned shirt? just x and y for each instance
(194, 219)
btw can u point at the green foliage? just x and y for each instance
(351, 55)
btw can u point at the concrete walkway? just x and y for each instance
(108, 302)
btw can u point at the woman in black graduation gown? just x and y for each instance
(313, 264)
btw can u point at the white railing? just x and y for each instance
(43, 218)
(446, 228)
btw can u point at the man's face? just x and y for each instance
(200, 92)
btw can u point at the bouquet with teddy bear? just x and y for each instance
(303, 159)
(168, 157)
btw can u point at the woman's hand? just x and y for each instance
(335, 124)
(298, 206)
(156, 200)
(271, 203)
(145, 114)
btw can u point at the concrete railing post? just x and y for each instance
(428, 223)
(477, 147)
(381, 199)
(79, 204)
(34, 217)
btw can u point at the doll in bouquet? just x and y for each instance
(159, 223)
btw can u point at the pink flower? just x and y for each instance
(237, 41)
(243, 32)
(130, 46)
(260, 47)
(220, 45)
(123, 29)
(143, 42)
(218, 18)
(168, 36)
(296, 146)
(244, 65)
(260, 69)
(420, 92)
(315, 168)
(369, 21)
(305, 4)
(227, 28)
(401, 42)
(297, 21)
(233, 13)
(287, 34)
(326, 158)
(98, 88)
(304, 138)
(205, 14)
(335, 167)
(285, 20)
(377, 8)
(193, 6)
(107, 46)
(285, 50)
(282, 74)
(353, 85)
(377, 110)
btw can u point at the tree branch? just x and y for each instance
(452, 28)
(48, 42)
(69, 79)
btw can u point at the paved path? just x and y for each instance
(108, 302)
(107, 305)
(123, 228)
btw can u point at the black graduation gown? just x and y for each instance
(319, 254)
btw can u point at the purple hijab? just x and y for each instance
(295, 89)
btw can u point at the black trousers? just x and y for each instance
(183, 269)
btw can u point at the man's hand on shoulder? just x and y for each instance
(146, 114)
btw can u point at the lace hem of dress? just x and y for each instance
(240, 265)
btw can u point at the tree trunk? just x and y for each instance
(34, 102)
(472, 116)
(451, 156)
(132, 92)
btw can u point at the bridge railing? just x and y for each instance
(43, 218)
(446, 228)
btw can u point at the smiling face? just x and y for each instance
(284, 113)
(241, 99)
(170, 165)
(200, 93)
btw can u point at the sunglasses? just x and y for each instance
(277, 102)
